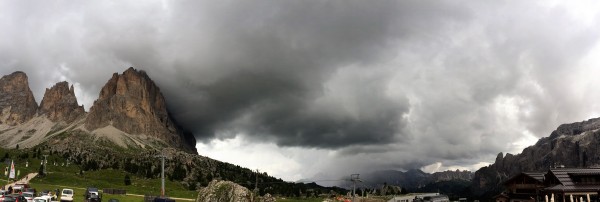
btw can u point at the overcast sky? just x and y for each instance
(319, 89)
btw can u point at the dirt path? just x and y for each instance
(24, 180)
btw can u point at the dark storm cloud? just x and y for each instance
(219, 61)
(267, 65)
(401, 84)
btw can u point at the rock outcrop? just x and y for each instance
(570, 145)
(132, 103)
(17, 104)
(60, 104)
(224, 191)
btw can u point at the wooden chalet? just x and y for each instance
(558, 185)
(524, 187)
(576, 183)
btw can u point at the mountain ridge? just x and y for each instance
(412, 179)
(130, 111)
(573, 145)
(50, 129)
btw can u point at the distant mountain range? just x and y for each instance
(412, 179)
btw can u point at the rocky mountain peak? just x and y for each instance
(574, 145)
(60, 104)
(576, 128)
(132, 103)
(17, 104)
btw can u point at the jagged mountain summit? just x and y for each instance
(132, 103)
(17, 104)
(575, 145)
(130, 112)
(127, 127)
(60, 104)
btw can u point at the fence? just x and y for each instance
(151, 198)
(114, 191)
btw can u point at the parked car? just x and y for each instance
(66, 195)
(19, 188)
(44, 193)
(15, 198)
(8, 198)
(49, 194)
(92, 195)
(42, 199)
(2, 194)
(159, 199)
(32, 190)
(28, 195)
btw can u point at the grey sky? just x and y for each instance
(355, 84)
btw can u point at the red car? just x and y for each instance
(20, 187)
(3, 193)
(14, 198)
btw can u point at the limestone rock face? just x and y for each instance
(132, 103)
(224, 191)
(17, 104)
(60, 104)
(573, 145)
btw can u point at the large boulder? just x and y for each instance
(224, 191)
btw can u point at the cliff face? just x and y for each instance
(17, 104)
(570, 145)
(130, 112)
(60, 104)
(132, 103)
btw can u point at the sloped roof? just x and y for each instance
(564, 176)
(539, 177)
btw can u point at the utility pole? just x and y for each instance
(162, 175)
(256, 181)
(354, 178)
(45, 162)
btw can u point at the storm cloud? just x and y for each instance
(364, 84)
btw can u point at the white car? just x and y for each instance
(42, 199)
(29, 196)
(66, 195)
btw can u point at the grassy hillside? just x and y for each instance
(78, 167)
(60, 175)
